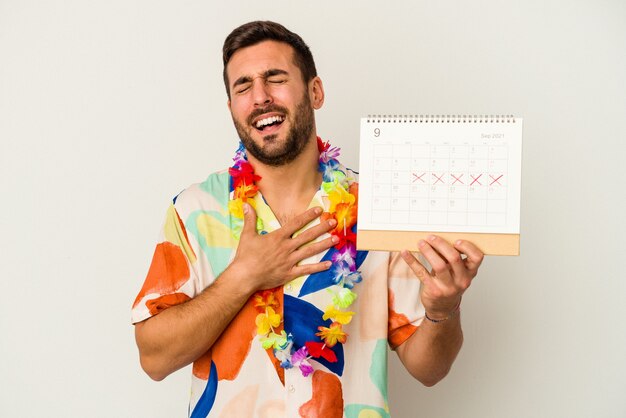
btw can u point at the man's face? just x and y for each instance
(269, 102)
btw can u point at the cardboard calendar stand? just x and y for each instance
(489, 244)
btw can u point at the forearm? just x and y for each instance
(179, 335)
(429, 353)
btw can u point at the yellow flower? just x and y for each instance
(342, 317)
(235, 207)
(266, 321)
(339, 195)
(332, 335)
(345, 215)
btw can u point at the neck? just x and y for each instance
(288, 189)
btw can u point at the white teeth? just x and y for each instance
(269, 120)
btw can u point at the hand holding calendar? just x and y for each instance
(450, 277)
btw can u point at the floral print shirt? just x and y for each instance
(237, 377)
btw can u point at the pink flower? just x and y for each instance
(240, 155)
(346, 254)
(301, 359)
(326, 152)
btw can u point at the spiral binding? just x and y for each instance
(440, 119)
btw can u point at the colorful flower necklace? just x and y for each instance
(343, 198)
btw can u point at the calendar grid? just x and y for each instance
(420, 183)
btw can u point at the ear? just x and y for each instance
(228, 104)
(316, 93)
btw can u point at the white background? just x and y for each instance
(109, 108)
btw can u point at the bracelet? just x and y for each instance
(454, 313)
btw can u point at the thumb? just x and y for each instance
(249, 219)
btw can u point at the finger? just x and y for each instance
(316, 248)
(312, 233)
(474, 255)
(418, 268)
(450, 255)
(306, 269)
(439, 265)
(249, 220)
(299, 221)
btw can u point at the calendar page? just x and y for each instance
(440, 174)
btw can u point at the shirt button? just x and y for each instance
(292, 389)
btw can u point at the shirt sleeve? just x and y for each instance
(171, 278)
(406, 311)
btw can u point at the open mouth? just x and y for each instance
(268, 123)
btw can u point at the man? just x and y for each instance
(257, 282)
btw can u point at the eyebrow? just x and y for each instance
(267, 74)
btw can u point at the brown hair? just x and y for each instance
(253, 33)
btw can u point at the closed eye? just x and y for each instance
(276, 76)
(242, 89)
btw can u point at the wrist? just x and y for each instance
(241, 277)
(442, 317)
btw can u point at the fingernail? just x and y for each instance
(459, 242)
(431, 237)
(332, 222)
(334, 239)
(318, 210)
(421, 243)
(246, 208)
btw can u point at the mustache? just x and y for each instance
(270, 108)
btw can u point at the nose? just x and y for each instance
(261, 93)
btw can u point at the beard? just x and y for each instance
(271, 152)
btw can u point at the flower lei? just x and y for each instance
(343, 197)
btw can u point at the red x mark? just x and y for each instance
(495, 180)
(416, 177)
(457, 179)
(475, 180)
(439, 179)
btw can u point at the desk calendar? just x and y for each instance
(455, 176)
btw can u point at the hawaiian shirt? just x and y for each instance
(237, 377)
